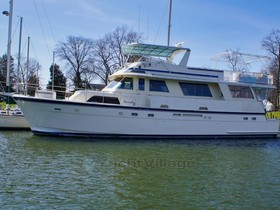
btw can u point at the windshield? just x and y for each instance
(113, 83)
(121, 83)
(263, 93)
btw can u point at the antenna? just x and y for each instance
(169, 22)
(139, 18)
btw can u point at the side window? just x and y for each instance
(191, 89)
(141, 84)
(126, 83)
(101, 99)
(158, 86)
(240, 91)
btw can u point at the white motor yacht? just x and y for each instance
(154, 97)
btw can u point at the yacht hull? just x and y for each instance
(68, 118)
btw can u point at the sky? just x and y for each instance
(207, 27)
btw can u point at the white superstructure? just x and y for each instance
(154, 97)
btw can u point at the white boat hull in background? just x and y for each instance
(13, 122)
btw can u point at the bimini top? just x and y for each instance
(157, 50)
(151, 50)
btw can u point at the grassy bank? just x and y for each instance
(275, 114)
(3, 105)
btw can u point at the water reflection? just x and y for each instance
(81, 173)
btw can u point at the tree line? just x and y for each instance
(85, 60)
(271, 43)
(31, 78)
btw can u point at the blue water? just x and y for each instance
(69, 173)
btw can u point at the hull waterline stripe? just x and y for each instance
(139, 136)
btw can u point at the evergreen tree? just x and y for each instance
(59, 82)
(3, 70)
(33, 84)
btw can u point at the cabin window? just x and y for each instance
(141, 84)
(126, 83)
(191, 89)
(158, 86)
(121, 83)
(262, 93)
(106, 100)
(114, 82)
(240, 91)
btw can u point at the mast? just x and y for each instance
(19, 49)
(169, 22)
(278, 80)
(27, 66)
(53, 72)
(8, 88)
(9, 46)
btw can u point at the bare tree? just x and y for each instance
(271, 43)
(108, 51)
(33, 69)
(235, 60)
(33, 75)
(272, 67)
(104, 61)
(77, 52)
(120, 37)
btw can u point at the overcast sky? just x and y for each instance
(207, 27)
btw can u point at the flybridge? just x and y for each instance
(167, 52)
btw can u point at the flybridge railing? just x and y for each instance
(248, 77)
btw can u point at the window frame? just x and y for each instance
(158, 86)
(239, 91)
(142, 85)
(194, 89)
(122, 84)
